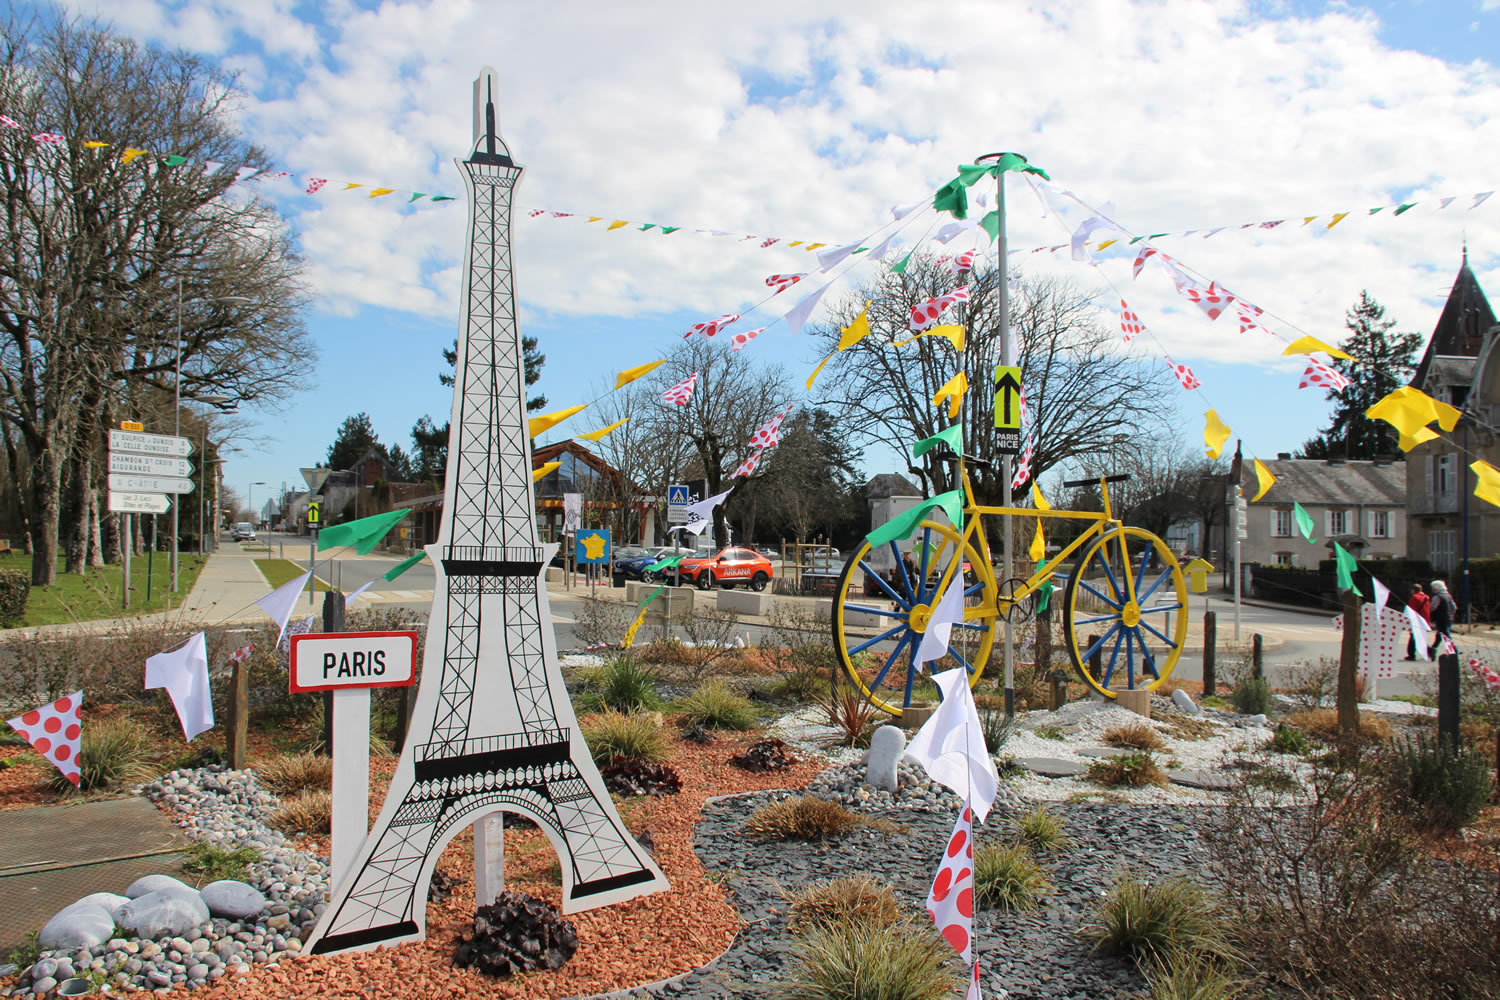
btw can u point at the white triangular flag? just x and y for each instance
(950, 744)
(1480, 199)
(948, 612)
(902, 211)
(279, 602)
(211, 167)
(184, 673)
(829, 259)
(946, 234)
(1419, 632)
(697, 527)
(350, 599)
(797, 318)
(1381, 592)
(884, 248)
(704, 508)
(244, 172)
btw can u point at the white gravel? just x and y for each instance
(807, 731)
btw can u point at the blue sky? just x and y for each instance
(808, 120)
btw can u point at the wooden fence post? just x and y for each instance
(1210, 644)
(1348, 701)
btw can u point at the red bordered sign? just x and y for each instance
(328, 661)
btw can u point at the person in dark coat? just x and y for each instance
(1419, 603)
(1443, 611)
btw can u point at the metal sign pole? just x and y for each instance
(129, 543)
(1007, 463)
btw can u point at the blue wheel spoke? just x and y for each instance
(1095, 621)
(1142, 597)
(1103, 557)
(970, 592)
(911, 596)
(1140, 577)
(1114, 656)
(879, 638)
(1129, 660)
(959, 657)
(887, 612)
(1148, 662)
(1107, 600)
(1147, 626)
(895, 653)
(1161, 607)
(972, 626)
(1088, 653)
(870, 572)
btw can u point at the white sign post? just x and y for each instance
(349, 664)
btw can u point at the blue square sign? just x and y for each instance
(592, 546)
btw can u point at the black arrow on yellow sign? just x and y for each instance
(1007, 398)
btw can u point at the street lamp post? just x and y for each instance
(250, 496)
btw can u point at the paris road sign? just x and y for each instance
(139, 503)
(149, 465)
(149, 484)
(150, 444)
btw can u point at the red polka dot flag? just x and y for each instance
(680, 393)
(747, 466)
(1130, 323)
(741, 339)
(925, 314)
(1184, 375)
(711, 327)
(1323, 376)
(781, 282)
(53, 731)
(950, 902)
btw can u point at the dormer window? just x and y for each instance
(1456, 394)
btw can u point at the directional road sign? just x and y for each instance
(150, 444)
(139, 503)
(678, 499)
(149, 465)
(1008, 410)
(314, 513)
(127, 483)
(315, 478)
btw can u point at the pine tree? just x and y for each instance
(355, 437)
(1382, 362)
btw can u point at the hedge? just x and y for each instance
(15, 588)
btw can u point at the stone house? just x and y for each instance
(1361, 504)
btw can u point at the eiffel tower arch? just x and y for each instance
(492, 729)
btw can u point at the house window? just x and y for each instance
(1440, 550)
(1281, 524)
(1338, 522)
(1445, 480)
(1286, 559)
(1380, 524)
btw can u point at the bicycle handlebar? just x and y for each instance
(1122, 478)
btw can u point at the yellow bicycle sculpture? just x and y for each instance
(1124, 607)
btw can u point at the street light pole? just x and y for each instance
(177, 428)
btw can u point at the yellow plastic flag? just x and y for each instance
(1488, 486)
(818, 369)
(541, 471)
(856, 331)
(1215, 433)
(1106, 244)
(1309, 345)
(1037, 498)
(1038, 550)
(380, 191)
(954, 334)
(595, 218)
(1337, 218)
(539, 425)
(1410, 410)
(597, 436)
(953, 391)
(1263, 475)
(351, 186)
(629, 375)
(95, 144)
(1308, 218)
(814, 246)
(795, 243)
(619, 223)
(131, 154)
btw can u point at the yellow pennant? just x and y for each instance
(1215, 433)
(1106, 243)
(954, 334)
(1308, 218)
(95, 144)
(597, 436)
(1037, 499)
(795, 243)
(818, 369)
(351, 187)
(953, 391)
(813, 246)
(1038, 544)
(1263, 475)
(1410, 410)
(541, 471)
(131, 154)
(380, 191)
(1488, 486)
(618, 223)
(856, 331)
(629, 375)
(547, 421)
(1310, 345)
(595, 218)
(1337, 218)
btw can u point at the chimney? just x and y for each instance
(1284, 456)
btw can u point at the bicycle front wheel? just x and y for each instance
(1125, 612)
(881, 610)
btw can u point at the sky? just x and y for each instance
(807, 121)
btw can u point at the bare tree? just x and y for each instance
(647, 458)
(1082, 392)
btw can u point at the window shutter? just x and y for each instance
(1328, 522)
(1427, 464)
(1274, 515)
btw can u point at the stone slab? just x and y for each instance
(1103, 753)
(1210, 781)
(745, 602)
(1051, 767)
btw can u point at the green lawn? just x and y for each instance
(279, 571)
(96, 594)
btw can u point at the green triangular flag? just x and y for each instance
(666, 563)
(404, 565)
(668, 230)
(903, 525)
(649, 225)
(953, 437)
(1044, 591)
(968, 173)
(442, 197)
(174, 160)
(1345, 565)
(1305, 523)
(1402, 208)
(363, 534)
(1376, 211)
(991, 224)
(901, 267)
(1134, 240)
(953, 198)
(415, 195)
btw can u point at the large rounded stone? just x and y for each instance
(111, 901)
(82, 925)
(162, 914)
(157, 883)
(231, 899)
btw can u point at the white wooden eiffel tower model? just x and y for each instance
(493, 729)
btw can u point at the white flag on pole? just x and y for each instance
(950, 744)
(948, 612)
(184, 673)
(1419, 632)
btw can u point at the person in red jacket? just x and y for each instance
(1418, 602)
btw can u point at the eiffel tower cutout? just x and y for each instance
(493, 729)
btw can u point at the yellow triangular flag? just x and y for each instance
(1309, 345)
(351, 187)
(597, 436)
(95, 144)
(953, 391)
(856, 331)
(1037, 498)
(131, 154)
(629, 375)
(541, 471)
(814, 246)
(1488, 486)
(818, 369)
(595, 218)
(1106, 243)
(1263, 475)
(618, 223)
(1038, 544)
(1308, 218)
(1338, 217)
(795, 243)
(1215, 433)
(380, 191)
(538, 425)
(955, 335)
(1410, 410)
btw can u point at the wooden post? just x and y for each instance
(333, 621)
(1348, 703)
(1043, 644)
(403, 718)
(239, 715)
(1210, 645)
(1096, 662)
(1448, 702)
(1257, 656)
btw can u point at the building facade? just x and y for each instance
(1361, 505)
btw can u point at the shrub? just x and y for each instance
(288, 774)
(711, 634)
(1251, 696)
(1312, 682)
(1153, 923)
(1007, 878)
(1042, 831)
(1134, 770)
(15, 588)
(1214, 701)
(1450, 787)
(851, 714)
(1137, 735)
(900, 960)
(1185, 976)
(1289, 739)
(1051, 733)
(598, 621)
(208, 862)
(997, 728)
(800, 686)
(1323, 724)
(613, 736)
(309, 811)
(111, 752)
(624, 684)
(805, 818)
(716, 705)
(858, 899)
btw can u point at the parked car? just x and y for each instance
(243, 532)
(728, 568)
(634, 568)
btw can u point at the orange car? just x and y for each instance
(731, 566)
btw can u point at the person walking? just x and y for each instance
(1443, 610)
(1419, 603)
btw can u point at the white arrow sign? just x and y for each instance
(149, 465)
(149, 484)
(150, 444)
(139, 503)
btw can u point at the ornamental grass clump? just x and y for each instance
(613, 736)
(1154, 923)
(288, 774)
(1449, 787)
(110, 753)
(309, 811)
(1137, 735)
(804, 818)
(623, 684)
(715, 705)
(1042, 831)
(900, 960)
(856, 899)
(1133, 770)
(1006, 877)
